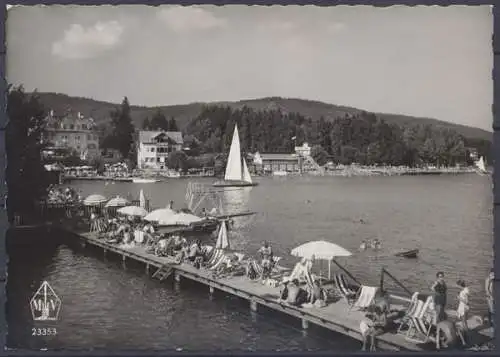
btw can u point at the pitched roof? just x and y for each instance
(148, 136)
(277, 156)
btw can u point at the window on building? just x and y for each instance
(78, 138)
(89, 137)
(71, 126)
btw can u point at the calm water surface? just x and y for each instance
(449, 218)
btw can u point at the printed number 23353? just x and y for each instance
(43, 331)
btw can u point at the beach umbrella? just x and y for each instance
(222, 240)
(94, 200)
(117, 202)
(162, 214)
(169, 217)
(321, 250)
(133, 211)
(142, 199)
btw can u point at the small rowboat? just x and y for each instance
(410, 254)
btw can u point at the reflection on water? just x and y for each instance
(449, 218)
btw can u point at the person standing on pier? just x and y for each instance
(267, 258)
(440, 290)
(489, 296)
(463, 307)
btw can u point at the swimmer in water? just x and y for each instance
(363, 245)
(376, 244)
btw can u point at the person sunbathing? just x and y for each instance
(317, 294)
(373, 325)
(296, 295)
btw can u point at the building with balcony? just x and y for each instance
(297, 162)
(155, 146)
(74, 132)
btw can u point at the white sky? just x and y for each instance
(425, 61)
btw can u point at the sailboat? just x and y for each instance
(237, 174)
(481, 166)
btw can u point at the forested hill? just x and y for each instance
(185, 113)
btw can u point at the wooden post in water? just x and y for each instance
(212, 289)
(305, 324)
(147, 268)
(177, 277)
(253, 305)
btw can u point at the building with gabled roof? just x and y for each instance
(155, 146)
(72, 131)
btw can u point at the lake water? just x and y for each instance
(106, 306)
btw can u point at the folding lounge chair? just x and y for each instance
(215, 259)
(366, 296)
(347, 293)
(419, 324)
(421, 331)
(405, 322)
(223, 259)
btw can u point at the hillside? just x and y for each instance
(186, 112)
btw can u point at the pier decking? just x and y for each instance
(336, 316)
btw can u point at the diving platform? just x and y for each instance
(337, 316)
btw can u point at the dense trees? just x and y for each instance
(122, 136)
(361, 138)
(160, 122)
(26, 177)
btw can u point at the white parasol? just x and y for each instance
(222, 240)
(117, 202)
(142, 199)
(169, 217)
(321, 250)
(94, 200)
(133, 211)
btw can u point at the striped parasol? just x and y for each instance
(117, 202)
(94, 200)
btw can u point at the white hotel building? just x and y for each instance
(155, 146)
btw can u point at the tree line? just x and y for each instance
(361, 138)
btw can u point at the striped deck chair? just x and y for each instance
(224, 259)
(415, 305)
(219, 257)
(343, 288)
(216, 259)
(421, 323)
(366, 296)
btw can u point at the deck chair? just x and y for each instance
(420, 322)
(365, 297)
(421, 331)
(223, 259)
(405, 322)
(215, 259)
(343, 289)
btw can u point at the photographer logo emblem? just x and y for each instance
(45, 304)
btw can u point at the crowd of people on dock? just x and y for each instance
(299, 287)
(62, 195)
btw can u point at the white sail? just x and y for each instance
(233, 168)
(481, 165)
(246, 173)
(222, 241)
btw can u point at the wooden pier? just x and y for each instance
(337, 317)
